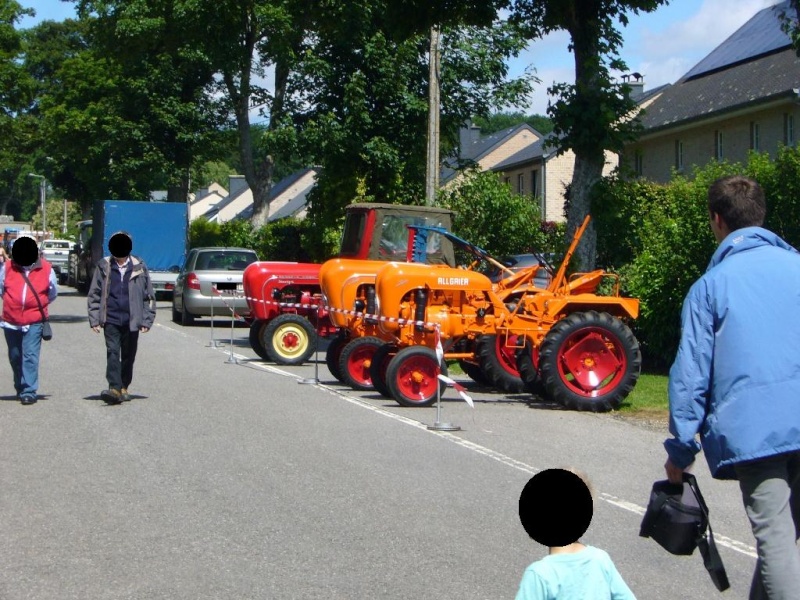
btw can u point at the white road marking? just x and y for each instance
(631, 507)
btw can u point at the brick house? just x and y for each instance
(520, 157)
(743, 96)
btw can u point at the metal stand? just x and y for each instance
(438, 425)
(315, 378)
(213, 342)
(231, 358)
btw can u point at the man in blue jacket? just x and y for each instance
(736, 378)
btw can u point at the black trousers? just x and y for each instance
(121, 345)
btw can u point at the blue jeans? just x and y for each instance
(23, 355)
(771, 493)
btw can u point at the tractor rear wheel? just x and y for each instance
(289, 339)
(256, 330)
(413, 376)
(499, 362)
(589, 361)
(333, 353)
(377, 370)
(355, 361)
(528, 367)
(474, 372)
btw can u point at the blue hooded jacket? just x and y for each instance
(736, 377)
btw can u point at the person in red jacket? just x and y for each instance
(27, 286)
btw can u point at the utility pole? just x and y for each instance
(432, 169)
(42, 200)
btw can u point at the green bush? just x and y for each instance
(490, 215)
(658, 239)
(203, 233)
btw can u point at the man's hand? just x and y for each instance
(674, 474)
(144, 329)
(96, 328)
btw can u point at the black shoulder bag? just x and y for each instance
(47, 331)
(677, 519)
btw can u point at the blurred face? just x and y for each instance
(120, 245)
(25, 252)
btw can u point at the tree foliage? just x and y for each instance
(588, 116)
(490, 215)
(503, 120)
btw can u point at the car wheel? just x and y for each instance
(187, 318)
(289, 339)
(590, 361)
(176, 315)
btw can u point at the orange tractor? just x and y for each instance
(571, 343)
(349, 289)
(285, 299)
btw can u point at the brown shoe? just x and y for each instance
(126, 397)
(111, 396)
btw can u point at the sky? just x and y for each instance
(662, 45)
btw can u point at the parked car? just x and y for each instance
(211, 280)
(56, 252)
(516, 262)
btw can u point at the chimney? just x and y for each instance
(635, 81)
(467, 135)
(236, 184)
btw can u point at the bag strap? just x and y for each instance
(35, 295)
(712, 561)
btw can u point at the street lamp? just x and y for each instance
(42, 185)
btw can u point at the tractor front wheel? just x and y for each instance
(528, 367)
(380, 364)
(289, 339)
(256, 331)
(355, 361)
(413, 376)
(589, 361)
(333, 353)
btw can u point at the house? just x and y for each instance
(288, 198)
(522, 158)
(743, 96)
(204, 199)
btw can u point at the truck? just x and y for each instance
(160, 237)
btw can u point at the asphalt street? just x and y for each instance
(227, 478)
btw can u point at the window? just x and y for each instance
(638, 163)
(521, 183)
(678, 155)
(534, 183)
(788, 129)
(718, 145)
(755, 136)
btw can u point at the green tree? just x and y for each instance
(490, 215)
(503, 120)
(589, 116)
(367, 98)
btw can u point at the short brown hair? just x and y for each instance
(738, 200)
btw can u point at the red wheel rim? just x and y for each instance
(592, 362)
(290, 340)
(417, 378)
(506, 350)
(358, 363)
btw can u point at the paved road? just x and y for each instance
(226, 479)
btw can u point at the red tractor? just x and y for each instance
(285, 299)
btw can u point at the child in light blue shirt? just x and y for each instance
(555, 509)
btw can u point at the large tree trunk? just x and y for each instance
(584, 176)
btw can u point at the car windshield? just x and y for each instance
(232, 260)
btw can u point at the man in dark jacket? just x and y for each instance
(121, 301)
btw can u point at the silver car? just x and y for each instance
(57, 254)
(211, 280)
